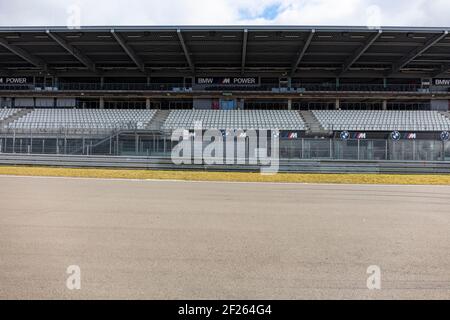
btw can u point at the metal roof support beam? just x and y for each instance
(244, 51)
(35, 61)
(302, 52)
(72, 50)
(352, 60)
(4, 72)
(186, 51)
(417, 52)
(130, 52)
(442, 72)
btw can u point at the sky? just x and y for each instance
(418, 13)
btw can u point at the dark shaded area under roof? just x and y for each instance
(165, 51)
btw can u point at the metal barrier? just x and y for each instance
(261, 87)
(292, 166)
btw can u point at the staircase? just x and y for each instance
(312, 123)
(446, 115)
(158, 120)
(19, 114)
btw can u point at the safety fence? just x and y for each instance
(285, 166)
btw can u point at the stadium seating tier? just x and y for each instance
(235, 119)
(377, 120)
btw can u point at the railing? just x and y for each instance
(359, 87)
(296, 87)
(164, 163)
(76, 127)
(95, 127)
(122, 86)
(389, 127)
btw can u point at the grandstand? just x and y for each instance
(235, 119)
(73, 119)
(124, 90)
(352, 120)
(7, 112)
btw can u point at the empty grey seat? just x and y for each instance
(382, 120)
(75, 119)
(235, 119)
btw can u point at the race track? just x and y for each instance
(190, 240)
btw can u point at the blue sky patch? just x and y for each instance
(269, 13)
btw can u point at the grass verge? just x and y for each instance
(228, 176)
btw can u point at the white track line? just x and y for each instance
(223, 182)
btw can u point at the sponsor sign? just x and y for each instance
(290, 135)
(426, 82)
(345, 135)
(396, 136)
(441, 82)
(445, 135)
(227, 81)
(411, 136)
(12, 81)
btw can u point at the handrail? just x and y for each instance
(297, 86)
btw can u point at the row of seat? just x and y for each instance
(84, 118)
(377, 120)
(337, 120)
(235, 119)
(7, 112)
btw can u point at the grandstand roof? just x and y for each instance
(298, 51)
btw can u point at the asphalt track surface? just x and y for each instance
(189, 240)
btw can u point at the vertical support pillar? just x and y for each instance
(136, 143)
(337, 105)
(386, 150)
(289, 104)
(338, 83)
(83, 145)
(31, 142)
(14, 142)
(384, 83)
(102, 103)
(384, 104)
(165, 145)
(359, 149)
(117, 144)
(147, 103)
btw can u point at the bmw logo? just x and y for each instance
(345, 135)
(445, 135)
(396, 136)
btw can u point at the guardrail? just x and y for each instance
(296, 87)
(286, 166)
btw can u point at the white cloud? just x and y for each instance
(228, 12)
